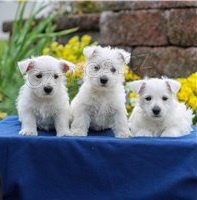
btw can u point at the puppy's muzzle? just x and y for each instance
(156, 110)
(103, 80)
(48, 89)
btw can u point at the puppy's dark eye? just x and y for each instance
(113, 70)
(148, 98)
(39, 76)
(56, 76)
(96, 68)
(164, 98)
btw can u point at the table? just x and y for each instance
(96, 167)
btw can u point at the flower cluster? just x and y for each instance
(72, 51)
(188, 93)
(131, 96)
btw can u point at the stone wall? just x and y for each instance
(161, 35)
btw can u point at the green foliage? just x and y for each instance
(3, 43)
(194, 117)
(73, 88)
(28, 38)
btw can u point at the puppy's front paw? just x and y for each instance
(78, 132)
(123, 135)
(28, 132)
(171, 133)
(64, 133)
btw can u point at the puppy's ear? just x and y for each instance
(173, 86)
(90, 52)
(138, 86)
(26, 65)
(124, 56)
(66, 65)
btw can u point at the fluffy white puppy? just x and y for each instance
(43, 100)
(100, 102)
(157, 112)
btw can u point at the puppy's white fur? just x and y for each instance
(100, 106)
(173, 120)
(36, 108)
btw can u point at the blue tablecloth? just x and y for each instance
(96, 167)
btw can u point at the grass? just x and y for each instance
(3, 44)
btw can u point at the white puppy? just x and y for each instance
(100, 103)
(157, 112)
(43, 100)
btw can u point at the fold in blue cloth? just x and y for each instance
(97, 167)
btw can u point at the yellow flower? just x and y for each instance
(60, 47)
(45, 51)
(65, 54)
(73, 41)
(128, 107)
(72, 51)
(77, 74)
(182, 80)
(132, 95)
(192, 102)
(3, 115)
(85, 40)
(186, 89)
(82, 58)
(79, 70)
(192, 81)
(194, 76)
(129, 75)
(54, 46)
(182, 96)
(71, 58)
(69, 74)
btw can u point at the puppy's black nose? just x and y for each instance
(156, 110)
(103, 79)
(48, 89)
